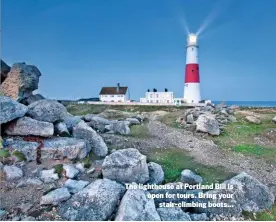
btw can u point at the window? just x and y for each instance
(156, 101)
(168, 101)
(150, 95)
(151, 101)
(157, 95)
(112, 96)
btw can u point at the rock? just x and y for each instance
(2, 213)
(248, 195)
(10, 110)
(61, 129)
(83, 131)
(55, 197)
(207, 124)
(120, 127)
(156, 173)
(173, 214)
(47, 110)
(48, 176)
(80, 167)
(25, 207)
(232, 118)
(75, 186)
(29, 218)
(126, 166)
(136, 206)
(70, 171)
(224, 112)
(1, 166)
(59, 148)
(95, 202)
(199, 217)
(190, 119)
(96, 122)
(4, 68)
(26, 126)
(71, 121)
(253, 119)
(274, 120)
(188, 176)
(12, 172)
(29, 181)
(29, 149)
(21, 81)
(133, 121)
(33, 98)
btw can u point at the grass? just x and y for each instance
(267, 215)
(139, 131)
(174, 161)
(58, 169)
(83, 109)
(4, 153)
(19, 155)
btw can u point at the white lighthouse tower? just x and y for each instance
(192, 81)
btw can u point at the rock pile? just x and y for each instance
(207, 119)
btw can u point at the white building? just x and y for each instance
(158, 97)
(114, 94)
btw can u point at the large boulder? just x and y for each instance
(96, 122)
(21, 81)
(55, 197)
(12, 172)
(120, 127)
(27, 126)
(47, 110)
(32, 98)
(253, 119)
(71, 121)
(4, 68)
(126, 166)
(95, 202)
(188, 176)
(133, 121)
(83, 131)
(173, 214)
(207, 124)
(136, 206)
(59, 148)
(10, 110)
(156, 173)
(247, 194)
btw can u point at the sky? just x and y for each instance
(82, 45)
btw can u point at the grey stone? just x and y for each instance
(28, 218)
(29, 149)
(253, 119)
(248, 195)
(83, 131)
(1, 166)
(48, 176)
(59, 148)
(10, 109)
(47, 110)
(61, 129)
(199, 217)
(75, 186)
(21, 81)
(232, 118)
(55, 197)
(25, 207)
(190, 119)
(224, 112)
(188, 176)
(274, 120)
(70, 171)
(12, 172)
(133, 121)
(136, 206)
(4, 69)
(126, 166)
(207, 124)
(156, 173)
(32, 98)
(173, 214)
(120, 127)
(26, 126)
(2, 213)
(71, 121)
(29, 181)
(80, 167)
(95, 202)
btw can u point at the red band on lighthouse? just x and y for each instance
(192, 73)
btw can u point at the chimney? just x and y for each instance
(118, 87)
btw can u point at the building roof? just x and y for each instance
(113, 90)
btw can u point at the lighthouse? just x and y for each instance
(192, 87)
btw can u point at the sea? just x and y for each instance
(248, 103)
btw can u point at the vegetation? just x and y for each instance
(4, 153)
(268, 215)
(19, 155)
(58, 169)
(173, 161)
(139, 131)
